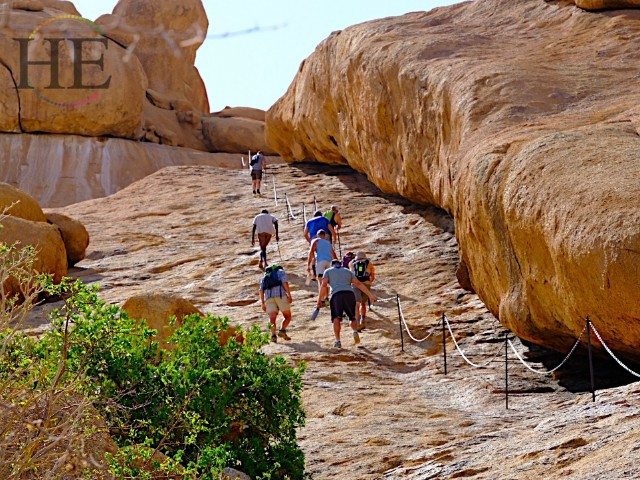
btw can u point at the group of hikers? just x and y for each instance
(343, 284)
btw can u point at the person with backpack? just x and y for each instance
(365, 272)
(317, 223)
(335, 218)
(275, 296)
(257, 165)
(321, 253)
(266, 225)
(342, 283)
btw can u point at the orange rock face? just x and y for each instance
(604, 4)
(521, 120)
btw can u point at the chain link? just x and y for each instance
(612, 355)
(406, 327)
(483, 365)
(549, 372)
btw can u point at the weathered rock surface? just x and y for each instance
(527, 138)
(74, 236)
(104, 96)
(242, 112)
(607, 4)
(168, 56)
(62, 169)
(157, 309)
(19, 204)
(374, 412)
(234, 134)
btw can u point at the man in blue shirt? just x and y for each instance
(321, 252)
(317, 223)
(343, 300)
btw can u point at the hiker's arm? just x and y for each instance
(310, 257)
(372, 272)
(275, 224)
(285, 285)
(306, 234)
(323, 292)
(264, 163)
(338, 219)
(264, 305)
(333, 234)
(253, 235)
(364, 289)
(333, 253)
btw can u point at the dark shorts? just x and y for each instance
(343, 303)
(256, 174)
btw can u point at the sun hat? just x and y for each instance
(360, 255)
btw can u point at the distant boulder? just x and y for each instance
(74, 236)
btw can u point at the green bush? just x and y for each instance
(203, 405)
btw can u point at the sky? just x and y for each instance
(255, 69)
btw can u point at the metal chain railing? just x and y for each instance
(406, 327)
(611, 353)
(549, 372)
(476, 365)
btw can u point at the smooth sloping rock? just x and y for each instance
(242, 112)
(74, 236)
(94, 99)
(234, 134)
(63, 169)
(168, 59)
(20, 204)
(527, 139)
(51, 255)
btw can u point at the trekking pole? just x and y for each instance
(340, 247)
(400, 322)
(444, 343)
(275, 194)
(279, 252)
(315, 204)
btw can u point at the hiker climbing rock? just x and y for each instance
(266, 225)
(257, 165)
(335, 218)
(365, 272)
(343, 300)
(317, 223)
(321, 253)
(275, 297)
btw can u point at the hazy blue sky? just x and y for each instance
(255, 69)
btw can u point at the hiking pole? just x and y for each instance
(315, 204)
(279, 252)
(340, 247)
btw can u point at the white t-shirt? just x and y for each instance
(264, 223)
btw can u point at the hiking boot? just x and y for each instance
(258, 191)
(274, 338)
(356, 338)
(337, 344)
(362, 325)
(283, 334)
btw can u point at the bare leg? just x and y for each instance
(287, 319)
(336, 328)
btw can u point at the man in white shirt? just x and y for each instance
(265, 225)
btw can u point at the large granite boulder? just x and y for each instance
(74, 236)
(19, 204)
(234, 134)
(521, 119)
(86, 87)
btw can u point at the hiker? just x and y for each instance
(334, 217)
(317, 223)
(265, 225)
(364, 270)
(343, 300)
(346, 260)
(257, 165)
(275, 296)
(321, 253)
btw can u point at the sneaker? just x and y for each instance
(356, 338)
(274, 338)
(337, 344)
(283, 334)
(258, 191)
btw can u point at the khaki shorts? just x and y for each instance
(361, 297)
(256, 174)
(321, 266)
(277, 304)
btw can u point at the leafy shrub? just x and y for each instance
(203, 405)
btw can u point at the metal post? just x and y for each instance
(275, 194)
(304, 216)
(286, 199)
(400, 321)
(315, 204)
(506, 370)
(593, 384)
(444, 343)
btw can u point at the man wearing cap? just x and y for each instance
(343, 300)
(321, 252)
(266, 225)
(364, 271)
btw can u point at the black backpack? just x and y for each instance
(360, 268)
(254, 160)
(271, 278)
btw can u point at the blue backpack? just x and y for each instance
(271, 278)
